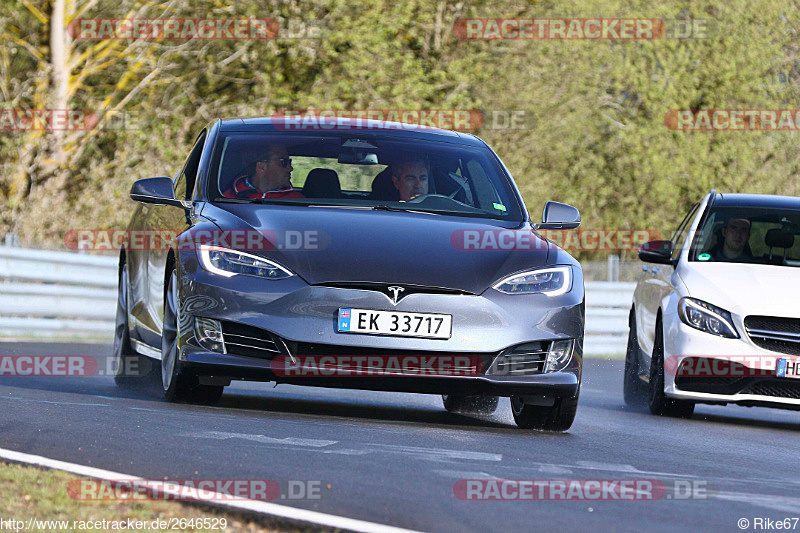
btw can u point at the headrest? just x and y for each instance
(322, 183)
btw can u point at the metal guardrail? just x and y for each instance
(47, 294)
(607, 307)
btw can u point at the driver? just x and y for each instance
(410, 178)
(270, 178)
(736, 234)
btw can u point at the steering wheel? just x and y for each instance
(423, 197)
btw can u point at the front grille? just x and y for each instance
(777, 334)
(523, 359)
(249, 341)
(710, 384)
(407, 361)
(775, 387)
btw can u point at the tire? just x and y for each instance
(558, 417)
(634, 390)
(658, 402)
(457, 403)
(129, 366)
(177, 385)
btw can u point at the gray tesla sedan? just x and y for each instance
(361, 254)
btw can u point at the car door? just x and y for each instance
(657, 283)
(136, 263)
(163, 221)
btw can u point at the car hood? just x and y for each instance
(355, 245)
(745, 289)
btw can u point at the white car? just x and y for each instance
(716, 312)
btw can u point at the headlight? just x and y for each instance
(228, 263)
(706, 317)
(552, 281)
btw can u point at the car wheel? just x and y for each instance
(658, 402)
(633, 388)
(458, 403)
(179, 386)
(558, 417)
(128, 365)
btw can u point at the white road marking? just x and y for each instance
(614, 467)
(464, 474)
(434, 454)
(54, 403)
(438, 453)
(300, 516)
(554, 470)
(287, 441)
(768, 501)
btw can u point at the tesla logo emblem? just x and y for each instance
(395, 293)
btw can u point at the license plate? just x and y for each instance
(788, 368)
(395, 323)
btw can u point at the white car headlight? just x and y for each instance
(552, 281)
(706, 317)
(226, 262)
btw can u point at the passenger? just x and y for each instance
(270, 178)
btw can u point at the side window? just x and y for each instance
(679, 237)
(180, 187)
(184, 185)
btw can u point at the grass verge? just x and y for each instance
(28, 492)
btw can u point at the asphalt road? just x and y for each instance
(394, 458)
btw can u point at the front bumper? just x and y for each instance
(299, 316)
(212, 365)
(733, 371)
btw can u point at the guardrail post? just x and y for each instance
(613, 268)
(12, 239)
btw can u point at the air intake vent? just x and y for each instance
(777, 388)
(250, 341)
(528, 358)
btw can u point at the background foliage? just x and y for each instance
(597, 139)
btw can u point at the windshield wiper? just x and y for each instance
(258, 201)
(384, 207)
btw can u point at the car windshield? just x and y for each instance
(749, 235)
(362, 171)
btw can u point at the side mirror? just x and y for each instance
(156, 191)
(656, 252)
(559, 216)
